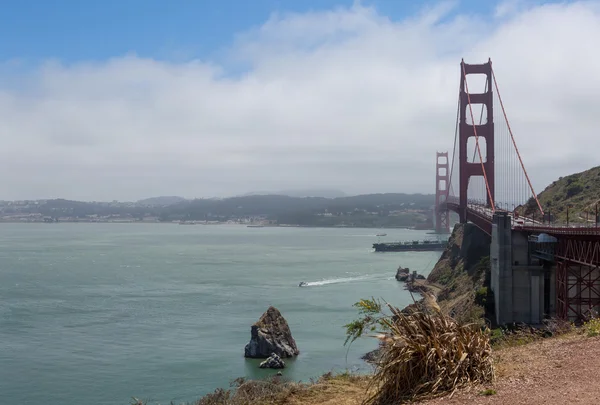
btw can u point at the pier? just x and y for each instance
(414, 246)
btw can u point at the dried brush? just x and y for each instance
(427, 354)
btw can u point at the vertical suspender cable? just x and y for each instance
(455, 143)
(514, 143)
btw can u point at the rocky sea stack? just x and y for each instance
(271, 334)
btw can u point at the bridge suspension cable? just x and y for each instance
(514, 142)
(450, 189)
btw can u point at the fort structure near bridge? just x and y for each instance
(539, 269)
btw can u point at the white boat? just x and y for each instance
(381, 234)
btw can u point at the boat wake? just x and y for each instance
(332, 281)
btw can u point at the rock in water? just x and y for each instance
(402, 274)
(274, 361)
(271, 334)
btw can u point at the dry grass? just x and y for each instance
(343, 389)
(427, 354)
(523, 334)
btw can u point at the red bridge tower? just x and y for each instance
(483, 164)
(442, 223)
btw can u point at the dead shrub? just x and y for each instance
(246, 392)
(427, 354)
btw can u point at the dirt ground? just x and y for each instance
(563, 370)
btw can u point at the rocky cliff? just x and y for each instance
(459, 277)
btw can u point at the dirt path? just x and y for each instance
(555, 371)
(564, 370)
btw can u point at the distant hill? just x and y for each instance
(280, 204)
(362, 210)
(579, 191)
(370, 210)
(325, 193)
(162, 201)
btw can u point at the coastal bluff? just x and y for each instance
(271, 334)
(460, 278)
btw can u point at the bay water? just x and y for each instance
(99, 313)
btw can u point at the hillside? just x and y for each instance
(579, 191)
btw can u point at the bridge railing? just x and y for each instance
(561, 229)
(533, 223)
(555, 227)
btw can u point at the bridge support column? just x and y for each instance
(501, 267)
(442, 175)
(485, 130)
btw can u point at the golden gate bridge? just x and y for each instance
(485, 182)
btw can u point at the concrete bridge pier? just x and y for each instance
(524, 289)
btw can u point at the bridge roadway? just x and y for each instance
(482, 216)
(576, 243)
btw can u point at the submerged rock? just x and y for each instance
(271, 335)
(274, 361)
(372, 356)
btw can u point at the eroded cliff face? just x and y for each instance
(460, 274)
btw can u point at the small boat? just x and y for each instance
(303, 284)
(381, 234)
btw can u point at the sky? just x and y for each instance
(126, 100)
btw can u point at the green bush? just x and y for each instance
(573, 189)
(592, 327)
(481, 296)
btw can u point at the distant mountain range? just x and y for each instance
(162, 201)
(325, 193)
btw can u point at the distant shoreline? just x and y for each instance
(216, 224)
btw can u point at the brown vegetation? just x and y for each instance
(427, 353)
(342, 389)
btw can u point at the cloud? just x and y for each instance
(345, 98)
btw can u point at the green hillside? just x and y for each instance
(580, 192)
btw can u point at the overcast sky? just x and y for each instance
(346, 98)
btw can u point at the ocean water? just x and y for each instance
(98, 313)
